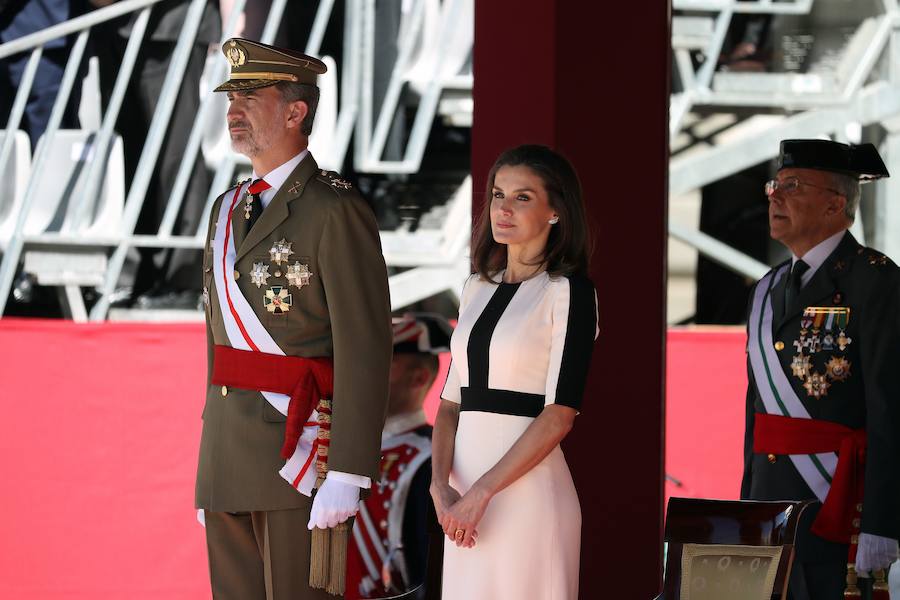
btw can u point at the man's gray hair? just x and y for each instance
(849, 187)
(294, 92)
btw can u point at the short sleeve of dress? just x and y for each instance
(574, 329)
(451, 389)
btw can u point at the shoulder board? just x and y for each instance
(875, 258)
(334, 180)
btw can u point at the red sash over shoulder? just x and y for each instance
(305, 380)
(786, 435)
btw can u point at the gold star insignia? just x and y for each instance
(838, 368)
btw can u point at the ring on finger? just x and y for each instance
(459, 534)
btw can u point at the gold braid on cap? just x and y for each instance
(266, 75)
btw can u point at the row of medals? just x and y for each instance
(817, 334)
(277, 299)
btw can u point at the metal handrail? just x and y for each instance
(824, 114)
(147, 162)
(76, 25)
(442, 267)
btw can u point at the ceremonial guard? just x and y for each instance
(823, 403)
(391, 533)
(299, 339)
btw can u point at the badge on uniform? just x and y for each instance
(277, 300)
(336, 182)
(817, 334)
(248, 205)
(298, 275)
(280, 251)
(259, 274)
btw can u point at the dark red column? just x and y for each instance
(591, 80)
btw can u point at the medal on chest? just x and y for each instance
(817, 334)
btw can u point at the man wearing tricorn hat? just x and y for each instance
(823, 401)
(299, 341)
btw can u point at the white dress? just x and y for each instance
(517, 348)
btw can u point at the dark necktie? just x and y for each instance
(794, 283)
(256, 188)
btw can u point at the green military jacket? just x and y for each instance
(341, 311)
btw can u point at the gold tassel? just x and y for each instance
(328, 550)
(340, 536)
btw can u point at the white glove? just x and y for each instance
(334, 503)
(874, 552)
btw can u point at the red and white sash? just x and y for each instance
(246, 332)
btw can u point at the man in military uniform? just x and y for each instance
(823, 403)
(297, 309)
(391, 536)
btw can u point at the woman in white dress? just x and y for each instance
(521, 353)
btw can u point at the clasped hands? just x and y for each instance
(334, 502)
(459, 515)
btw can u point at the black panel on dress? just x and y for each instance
(579, 344)
(479, 347)
(504, 402)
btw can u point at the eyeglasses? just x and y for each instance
(790, 185)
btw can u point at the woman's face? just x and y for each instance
(520, 208)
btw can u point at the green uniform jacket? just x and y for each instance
(343, 313)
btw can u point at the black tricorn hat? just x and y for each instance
(421, 333)
(862, 162)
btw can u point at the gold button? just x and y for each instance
(779, 345)
(237, 274)
(277, 273)
(224, 390)
(856, 523)
(859, 508)
(772, 458)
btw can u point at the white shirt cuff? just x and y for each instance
(357, 480)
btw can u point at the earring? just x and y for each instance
(554, 220)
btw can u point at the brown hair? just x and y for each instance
(301, 92)
(568, 246)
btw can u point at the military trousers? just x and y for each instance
(260, 555)
(823, 581)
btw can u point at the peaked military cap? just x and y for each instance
(421, 333)
(257, 65)
(862, 162)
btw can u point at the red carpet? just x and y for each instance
(100, 439)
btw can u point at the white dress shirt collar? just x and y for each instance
(277, 176)
(817, 255)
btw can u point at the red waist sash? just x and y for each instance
(786, 435)
(305, 380)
